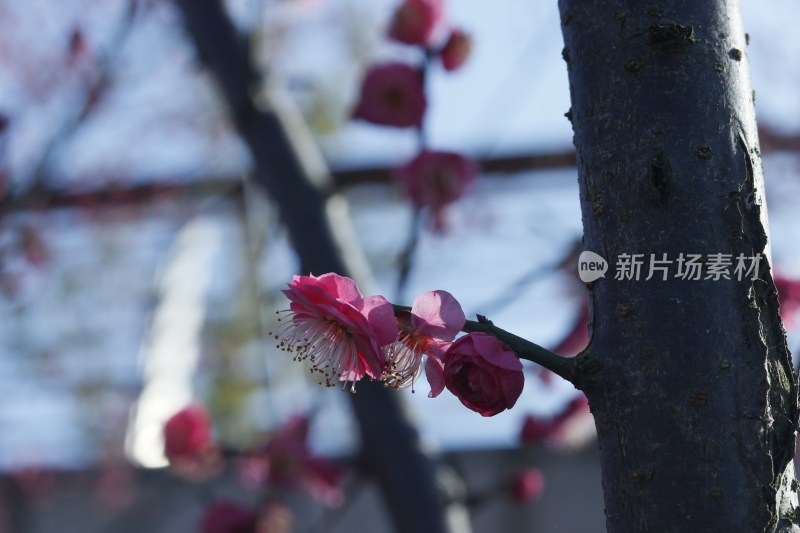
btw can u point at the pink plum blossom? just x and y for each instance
(483, 374)
(456, 50)
(286, 461)
(336, 328)
(527, 486)
(392, 95)
(435, 178)
(414, 21)
(435, 319)
(188, 443)
(187, 434)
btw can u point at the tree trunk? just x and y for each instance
(690, 381)
(285, 157)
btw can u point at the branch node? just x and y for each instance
(483, 320)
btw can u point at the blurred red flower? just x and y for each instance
(789, 296)
(392, 95)
(456, 50)
(227, 517)
(414, 21)
(187, 433)
(286, 461)
(527, 486)
(435, 179)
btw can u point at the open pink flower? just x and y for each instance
(435, 319)
(414, 21)
(392, 95)
(286, 461)
(435, 179)
(456, 50)
(339, 330)
(228, 517)
(481, 372)
(527, 486)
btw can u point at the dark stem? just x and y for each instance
(406, 258)
(524, 349)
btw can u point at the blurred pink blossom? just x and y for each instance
(286, 461)
(435, 179)
(187, 433)
(228, 517)
(556, 430)
(789, 296)
(414, 21)
(392, 95)
(527, 486)
(456, 50)
(188, 443)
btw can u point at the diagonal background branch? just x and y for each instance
(391, 449)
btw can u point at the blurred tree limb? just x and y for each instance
(288, 167)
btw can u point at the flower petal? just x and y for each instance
(437, 314)
(380, 315)
(486, 346)
(342, 288)
(434, 371)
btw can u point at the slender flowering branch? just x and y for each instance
(524, 349)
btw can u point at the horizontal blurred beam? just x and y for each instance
(490, 165)
(121, 195)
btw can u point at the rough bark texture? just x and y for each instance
(690, 382)
(282, 153)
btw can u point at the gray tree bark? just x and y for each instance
(690, 382)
